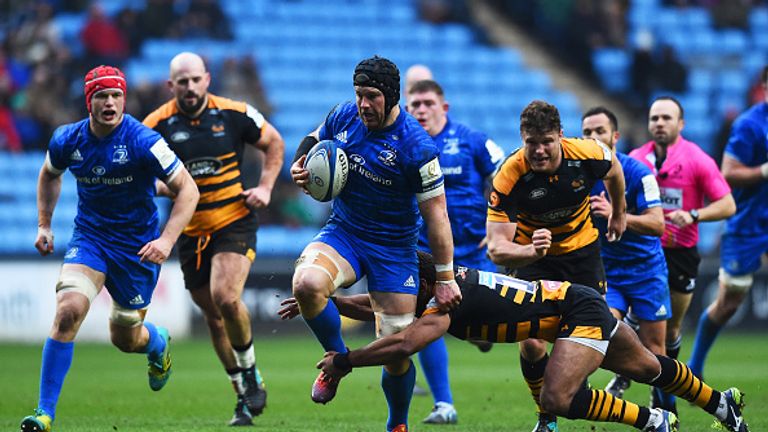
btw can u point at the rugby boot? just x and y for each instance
(734, 421)
(255, 394)
(242, 416)
(160, 369)
(400, 428)
(618, 385)
(546, 423)
(442, 413)
(40, 421)
(324, 388)
(669, 422)
(419, 390)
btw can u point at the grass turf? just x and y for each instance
(107, 390)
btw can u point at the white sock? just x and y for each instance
(237, 382)
(722, 408)
(245, 359)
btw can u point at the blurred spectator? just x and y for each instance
(442, 11)
(127, 21)
(724, 133)
(157, 18)
(641, 74)
(104, 42)
(204, 18)
(731, 14)
(9, 136)
(670, 73)
(240, 79)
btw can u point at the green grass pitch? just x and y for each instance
(107, 390)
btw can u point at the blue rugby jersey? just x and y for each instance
(641, 193)
(748, 144)
(115, 178)
(387, 168)
(467, 158)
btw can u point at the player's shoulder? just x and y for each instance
(512, 169)
(632, 167)
(411, 138)
(344, 111)
(585, 149)
(138, 132)
(70, 133)
(641, 151)
(754, 117)
(161, 114)
(691, 153)
(226, 104)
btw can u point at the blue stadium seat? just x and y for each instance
(612, 67)
(701, 81)
(758, 20)
(731, 42)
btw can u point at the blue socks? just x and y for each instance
(156, 344)
(434, 363)
(57, 358)
(705, 338)
(327, 328)
(398, 391)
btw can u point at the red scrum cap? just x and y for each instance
(103, 78)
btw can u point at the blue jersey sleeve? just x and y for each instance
(647, 194)
(56, 151)
(329, 126)
(161, 160)
(423, 170)
(487, 154)
(742, 143)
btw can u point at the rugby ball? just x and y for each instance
(328, 168)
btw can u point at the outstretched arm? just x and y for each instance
(614, 184)
(390, 349)
(356, 307)
(48, 190)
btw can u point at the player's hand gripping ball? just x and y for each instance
(328, 168)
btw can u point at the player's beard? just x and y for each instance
(192, 109)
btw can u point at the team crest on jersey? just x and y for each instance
(180, 136)
(120, 155)
(537, 193)
(357, 159)
(203, 166)
(451, 146)
(218, 130)
(578, 184)
(76, 156)
(387, 157)
(99, 170)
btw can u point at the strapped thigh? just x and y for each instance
(387, 324)
(75, 281)
(126, 317)
(735, 284)
(319, 260)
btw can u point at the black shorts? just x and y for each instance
(583, 266)
(585, 315)
(683, 265)
(196, 253)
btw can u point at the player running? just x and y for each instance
(634, 266)
(575, 318)
(394, 176)
(116, 242)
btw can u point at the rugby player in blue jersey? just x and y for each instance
(635, 267)
(745, 167)
(116, 242)
(468, 158)
(394, 177)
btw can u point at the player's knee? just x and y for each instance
(230, 307)
(308, 287)
(533, 349)
(67, 320)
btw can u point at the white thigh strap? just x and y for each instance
(73, 281)
(390, 324)
(736, 284)
(319, 260)
(125, 317)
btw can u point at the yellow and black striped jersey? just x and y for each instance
(211, 147)
(557, 201)
(502, 309)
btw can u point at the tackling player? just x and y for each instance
(686, 176)
(574, 317)
(116, 242)
(745, 167)
(394, 176)
(539, 219)
(468, 159)
(634, 266)
(217, 248)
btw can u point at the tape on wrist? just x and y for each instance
(444, 282)
(341, 362)
(444, 267)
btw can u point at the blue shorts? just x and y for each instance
(129, 281)
(642, 286)
(389, 268)
(740, 255)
